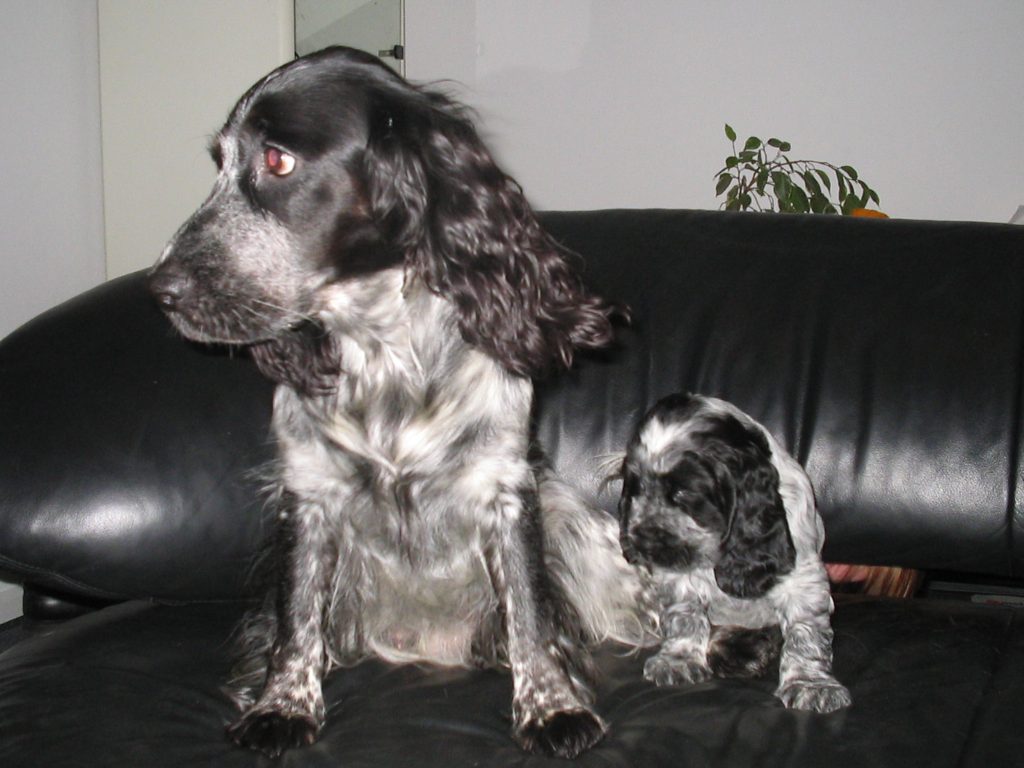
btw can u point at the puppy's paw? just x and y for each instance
(822, 695)
(561, 734)
(669, 669)
(272, 732)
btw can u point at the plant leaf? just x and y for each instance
(780, 182)
(798, 200)
(811, 183)
(754, 179)
(821, 204)
(782, 186)
(762, 180)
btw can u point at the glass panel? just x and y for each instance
(370, 25)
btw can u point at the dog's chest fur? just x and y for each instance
(410, 457)
(699, 585)
(805, 584)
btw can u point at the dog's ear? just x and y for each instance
(304, 359)
(468, 232)
(757, 547)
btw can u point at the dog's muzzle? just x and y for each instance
(649, 545)
(169, 286)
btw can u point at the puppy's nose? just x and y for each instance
(168, 286)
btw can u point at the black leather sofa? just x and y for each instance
(887, 355)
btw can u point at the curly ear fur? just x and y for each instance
(757, 547)
(304, 358)
(468, 232)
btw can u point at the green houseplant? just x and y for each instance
(762, 177)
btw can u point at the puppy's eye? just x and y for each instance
(277, 162)
(677, 495)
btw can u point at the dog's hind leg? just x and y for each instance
(290, 710)
(253, 642)
(614, 601)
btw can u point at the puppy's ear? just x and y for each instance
(757, 547)
(468, 232)
(304, 359)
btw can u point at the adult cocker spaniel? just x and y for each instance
(725, 522)
(361, 242)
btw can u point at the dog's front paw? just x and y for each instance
(273, 732)
(561, 734)
(669, 669)
(823, 695)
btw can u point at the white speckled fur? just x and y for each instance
(397, 286)
(692, 601)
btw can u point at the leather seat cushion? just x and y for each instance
(933, 683)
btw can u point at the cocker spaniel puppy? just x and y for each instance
(360, 241)
(725, 522)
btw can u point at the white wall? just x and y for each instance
(605, 103)
(620, 103)
(170, 73)
(51, 205)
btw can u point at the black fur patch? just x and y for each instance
(566, 734)
(741, 652)
(391, 234)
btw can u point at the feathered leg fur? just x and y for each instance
(290, 710)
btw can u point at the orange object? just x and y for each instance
(867, 213)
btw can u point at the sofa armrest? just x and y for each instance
(127, 454)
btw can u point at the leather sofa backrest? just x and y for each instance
(886, 355)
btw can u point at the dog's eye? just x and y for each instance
(678, 495)
(277, 162)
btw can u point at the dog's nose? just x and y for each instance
(168, 286)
